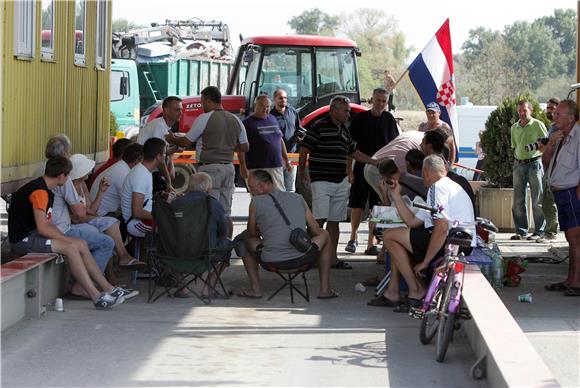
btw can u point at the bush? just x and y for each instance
(496, 141)
(113, 126)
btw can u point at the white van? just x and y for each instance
(471, 119)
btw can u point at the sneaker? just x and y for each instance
(534, 237)
(546, 238)
(351, 246)
(107, 301)
(126, 293)
(517, 237)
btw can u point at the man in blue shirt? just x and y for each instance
(292, 130)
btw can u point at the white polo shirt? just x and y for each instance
(155, 128)
(452, 198)
(116, 175)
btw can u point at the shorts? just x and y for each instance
(277, 174)
(329, 200)
(34, 243)
(103, 223)
(361, 191)
(223, 178)
(568, 208)
(308, 258)
(138, 228)
(419, 238)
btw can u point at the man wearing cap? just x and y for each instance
(433, 112)
(527, 169)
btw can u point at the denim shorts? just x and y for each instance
(568, 208)
(34, 243)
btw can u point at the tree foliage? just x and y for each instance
(314, 22)
(496, 139)
(525, 56)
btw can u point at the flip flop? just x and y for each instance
(383, 301)
(407, 305)
(133, 264)
(332, 295)
(572, 291)
(341, 265)
(560, 286)
(244, 294)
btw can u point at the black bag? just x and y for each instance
(299, 238)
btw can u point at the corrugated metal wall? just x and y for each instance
(43, 98)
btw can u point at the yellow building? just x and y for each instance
(55, 69)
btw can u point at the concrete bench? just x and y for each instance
(29, 283)
(505, 355)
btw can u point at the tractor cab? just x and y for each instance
(311, 69)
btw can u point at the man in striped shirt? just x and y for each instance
(326, 147)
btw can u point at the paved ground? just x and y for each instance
(341, 342)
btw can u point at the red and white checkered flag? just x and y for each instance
(446, 94)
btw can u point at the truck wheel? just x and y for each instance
(181, 181)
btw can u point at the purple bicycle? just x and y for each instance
(441, 309)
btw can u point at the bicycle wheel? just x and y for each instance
(430, 321)
(446, 321)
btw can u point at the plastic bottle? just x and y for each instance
(497, 268)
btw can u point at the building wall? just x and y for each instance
(42, 98)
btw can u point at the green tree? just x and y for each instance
(314, 22)
(382, 45)
(124, 25)
(563, 27)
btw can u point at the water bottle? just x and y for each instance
(497, 268)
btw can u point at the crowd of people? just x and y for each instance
(86, 217)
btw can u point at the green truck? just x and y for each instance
(176, 58)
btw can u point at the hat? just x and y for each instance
(434, 107)
(81, 166)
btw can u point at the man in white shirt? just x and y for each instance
(116, 174)
(160, 127)
(137, 192)
(413, 248)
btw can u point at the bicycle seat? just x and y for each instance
(460, 236)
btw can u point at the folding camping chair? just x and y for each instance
(182, 247)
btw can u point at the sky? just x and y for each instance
(417, 19)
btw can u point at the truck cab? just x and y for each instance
(125, 94)
(311, 69)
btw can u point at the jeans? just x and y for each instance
(524, 174)
(550, 211)
(100, 245)
(289, 179)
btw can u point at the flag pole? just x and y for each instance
(407, 71)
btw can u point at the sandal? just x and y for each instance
(133, 264)
(407, 305)
(572, 291)
(341, 265)
(332, 295)
(383, 301)
(246, 294)
(560, 286)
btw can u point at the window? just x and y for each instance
(47, 30)
(80, 24)
(24, 22)
(335, 72)
(101, 38)
(288, 68)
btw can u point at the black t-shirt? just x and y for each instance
(329, 146)
(372, 133)
(33, 195)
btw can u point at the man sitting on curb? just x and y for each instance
(414, 247)
(30, 230)
(268, 235)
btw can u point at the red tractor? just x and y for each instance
(311, 69)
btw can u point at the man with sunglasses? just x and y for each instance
(326, 148)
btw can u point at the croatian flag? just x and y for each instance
(431, 74)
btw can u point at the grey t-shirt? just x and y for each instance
(275, 232)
